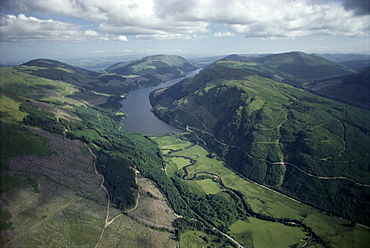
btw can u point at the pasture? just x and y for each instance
(259, 233)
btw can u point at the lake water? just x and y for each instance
(141, 119)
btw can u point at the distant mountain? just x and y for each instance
(95, 87)
(293, 68)
(205, 61)
(303, 66)
(313, 73)
(307, 146)
(49, 65)
(353, 88)
(154, 69)
(356, 65)
(340, 57)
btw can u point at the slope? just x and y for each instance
(302, 66)
(54, 190)
(89, 82)
(353, 89)
(306, 146)
(154, 69)
(293, 68)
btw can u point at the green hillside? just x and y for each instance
(356, 65)
(302, 66)
(154, 68)
(294, 68)
(75, 104)
(353, 88)
(88, 81)
(314, 149)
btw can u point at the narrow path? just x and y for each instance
(194, 176)
(282, 162)
(284, 221)
(138, 194)
(321, 177)
(107, 222)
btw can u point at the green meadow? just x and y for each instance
(195, 239)
(259, 233)
(170, 143)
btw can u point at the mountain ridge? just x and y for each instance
(155, 68)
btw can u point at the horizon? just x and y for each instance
(81, 29)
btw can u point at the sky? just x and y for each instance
(59, 29)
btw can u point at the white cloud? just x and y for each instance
(226, 34)
(90, 32)
(184, 19)
(121, 38)
(23, 28)
(163, 36)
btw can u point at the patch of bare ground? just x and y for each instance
(60, 112)
(69, 207)
(126, 232)
(153, 209)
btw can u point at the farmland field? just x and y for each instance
(195, 239)
(266, 234)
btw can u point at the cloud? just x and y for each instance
(180, 19)
(121, 38)
(23, 28)
(361, 7)
(226, 34)
(90, 32)
(163, 36)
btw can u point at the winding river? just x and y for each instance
(141, 119)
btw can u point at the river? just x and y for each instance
(141, 119)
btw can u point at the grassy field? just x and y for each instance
(266, 201)
(170, 143)
(195, 239)
(209, 186)
(259, 233)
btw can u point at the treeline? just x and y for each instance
(41, 118)
(118, 152)
(119, 178)
(223, 209)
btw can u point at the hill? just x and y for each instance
(88, 81)
(342, 57)
(154, 69)
(353, 88)
(65, 162)
(302, 66)
(310, 72)
(294, 68)
(356, 65)
(309, 147)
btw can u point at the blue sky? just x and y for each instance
(101, 28)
